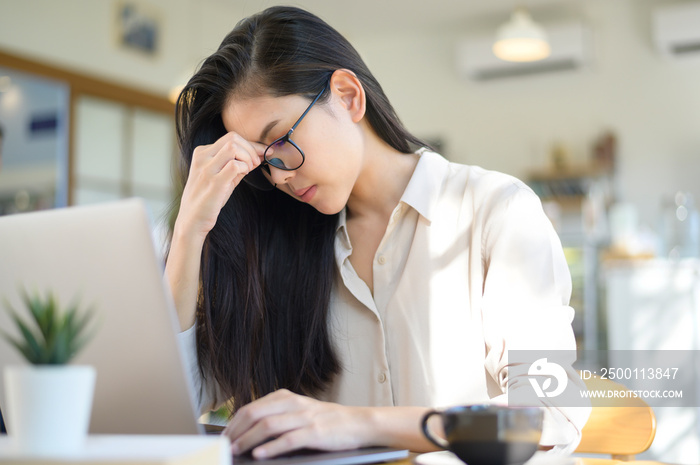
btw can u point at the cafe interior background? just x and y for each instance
(606, 130)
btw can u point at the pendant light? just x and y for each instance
(521, 39)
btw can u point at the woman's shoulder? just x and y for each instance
(469, 191)
(479, 181)
(474, 187)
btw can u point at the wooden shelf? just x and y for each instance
(567, 186)
(570, 172)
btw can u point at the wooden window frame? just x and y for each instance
(83, 85)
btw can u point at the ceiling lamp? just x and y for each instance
(521, 39)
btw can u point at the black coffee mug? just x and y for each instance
(488, 434)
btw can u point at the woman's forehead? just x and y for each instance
(249, 117)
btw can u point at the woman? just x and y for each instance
(331, 282)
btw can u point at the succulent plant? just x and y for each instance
(52, 336)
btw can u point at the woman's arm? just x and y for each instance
(282, 421)
(525, 306)
(215, 171)
(182, 272)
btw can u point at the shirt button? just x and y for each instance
(382, 378)
(381, 259)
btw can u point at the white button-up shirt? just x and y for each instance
(468, 268)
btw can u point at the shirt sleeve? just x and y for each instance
(525, 303)
(206, 394)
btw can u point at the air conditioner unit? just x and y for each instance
(570, 44)
(676, 30)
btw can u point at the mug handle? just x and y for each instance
(438, 441)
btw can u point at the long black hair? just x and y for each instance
(268, 264)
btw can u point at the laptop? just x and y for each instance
(105, 256)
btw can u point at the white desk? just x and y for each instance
(132, 450)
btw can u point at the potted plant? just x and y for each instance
(48, 401)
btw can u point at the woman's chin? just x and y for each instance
(329, 211)
(328, 208)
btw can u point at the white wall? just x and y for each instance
(509, 125)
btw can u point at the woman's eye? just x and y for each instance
(277, 163)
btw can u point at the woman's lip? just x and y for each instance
(306, 194)
(301, 192)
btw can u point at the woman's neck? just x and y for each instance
(382, 181)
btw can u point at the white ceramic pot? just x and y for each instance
(48, 407)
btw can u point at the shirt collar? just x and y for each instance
(423, 189)
(343, 248)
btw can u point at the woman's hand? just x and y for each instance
(215, 171)
(282, 422)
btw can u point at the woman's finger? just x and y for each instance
(267, 430)
(292, 440)
(232, 174)
(276, 403)
(228, 147)
(212, 149)
(229, 152)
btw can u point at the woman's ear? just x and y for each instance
(348, 88)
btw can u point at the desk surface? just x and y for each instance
(550, 460)
(212, 450)
(130, 450)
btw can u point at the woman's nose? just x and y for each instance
(279, 176)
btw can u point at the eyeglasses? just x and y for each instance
(283, 154)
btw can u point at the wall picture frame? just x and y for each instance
(138, 27)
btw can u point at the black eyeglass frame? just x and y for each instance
(286, 138)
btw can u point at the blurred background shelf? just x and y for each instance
(657, 307)
(576, 198)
